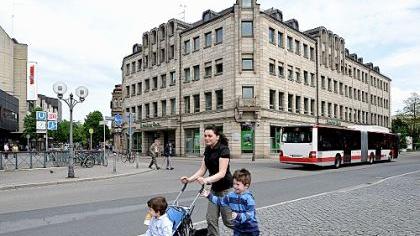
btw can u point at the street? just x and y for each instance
(117, 206)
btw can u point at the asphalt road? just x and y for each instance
(117, 206)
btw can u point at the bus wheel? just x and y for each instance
(337, 163)
(371, 158)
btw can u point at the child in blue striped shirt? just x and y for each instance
(242, 204)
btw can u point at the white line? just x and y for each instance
(343, 190)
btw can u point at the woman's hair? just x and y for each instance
(158, 204)
(222, 137)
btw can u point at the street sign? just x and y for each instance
(109, 118)
(41, 126)
(90, 131)
(52, 125)
(101, 122)
(118, 119)
(52, 116)
(41, 115)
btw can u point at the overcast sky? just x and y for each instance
(83, 42)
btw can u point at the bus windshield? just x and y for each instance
(297, 135)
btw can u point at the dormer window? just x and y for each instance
(246, 3)
(206, 16)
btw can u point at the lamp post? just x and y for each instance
(60, 89)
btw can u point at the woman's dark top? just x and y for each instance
(211, 159)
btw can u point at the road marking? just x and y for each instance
(342, 190)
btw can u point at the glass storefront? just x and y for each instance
(247, 139)
(192, 141)
(275, 139)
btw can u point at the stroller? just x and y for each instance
(181, 216)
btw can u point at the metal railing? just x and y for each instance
(30, 160)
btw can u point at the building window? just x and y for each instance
(322, 108)
(290, 73)
(163, 104)
(146, 62)
(281, 101)
(290, 43)
(187, 46)
(312, 80)
(133, 90)
(207, 69)
(312, 106)
(280, 39)
(219, 35)
(127, 69)
(155, 83)
(247, 92)
(272, 67)
(297, 47)
(187, 104)
(155, 109)
(305, 51)
(139, 113)
(172, 78)
(272, 99)
(153, 58)
(162, 55)
(298, 101)
(329, 85)
(139, 64)
(329, 110)
(187, 75)
(290, 102)
(219, 67)
(247, 63)
(207, 39)
(133, 67)
(305, 77)
(246, 3)
(219, 99)
(127, 91)
(196, 72)
(305, 106)
(341, 88)
(322, 82)
(147, 110)
(196, 99)
(271, 32)
(280, 69)
(247, 29)
(312, 53)
(163, 81)
(146, 85)
(208, 98)
(297, 72)
(335, 87)
(196, 43)
(171, 52)
(173, 106)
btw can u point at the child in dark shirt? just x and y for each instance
(242, 204)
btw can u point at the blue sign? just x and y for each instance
(118, 119)
(52, 125)
(41, 115)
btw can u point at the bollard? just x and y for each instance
(114, 168)
(137, 160)
(16, 159)
(45, 159)
(30, 160)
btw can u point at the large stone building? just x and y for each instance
(244, 68)
(13, 70)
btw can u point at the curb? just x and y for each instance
(69, 181)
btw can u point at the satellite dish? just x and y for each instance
(60, 88)
(82, 92)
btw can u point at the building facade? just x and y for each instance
(250, 73)
(117, 108)
(13, 72)
(48, 104)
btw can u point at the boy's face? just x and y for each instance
(239, 187)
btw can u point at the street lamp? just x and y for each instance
(60, 89)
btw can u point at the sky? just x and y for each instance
(83, 42)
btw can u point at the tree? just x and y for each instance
(92, 122)
(29, 123)
(401, 127)
(411, 116)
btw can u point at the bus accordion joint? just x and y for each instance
(312, 154)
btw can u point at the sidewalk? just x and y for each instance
(58, 175)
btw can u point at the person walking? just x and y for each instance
(169, 153)
(216, 161)
(6, 150)
(154, 152)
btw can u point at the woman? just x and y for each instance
(169, 153)
(216, 161)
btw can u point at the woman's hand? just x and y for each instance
(184, 179)
(205, 193)
(202, 180)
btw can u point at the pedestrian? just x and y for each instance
(6, 150)
(159, 224)
(169, 153)
(154, 152)
(241, 202)
(216, 161)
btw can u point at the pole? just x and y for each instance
(129, 134)
(46, 141)
(253, 140)
(104, 141)
(90, 144)
(71, 154)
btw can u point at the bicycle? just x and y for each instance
(85, 160)
(130, 157)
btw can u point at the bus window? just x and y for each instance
(297, 135)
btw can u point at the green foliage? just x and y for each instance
(29, 123)
(92, 122)
(401, 127)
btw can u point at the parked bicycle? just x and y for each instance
(130, 157)
(85, 160)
